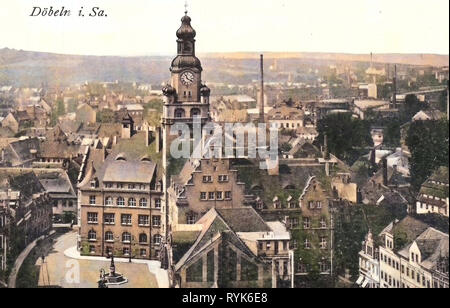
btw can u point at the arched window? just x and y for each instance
(132, 202)
(195, 112)
(157, 239)
(143, 202)
(109, 236)
(92, 235)
(120, 201)
(143, 238)
(179, 113)
(109, 201)
(126, 237)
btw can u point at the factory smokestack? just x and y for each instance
(394, 99)
(261, 104)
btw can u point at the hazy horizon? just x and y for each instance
(171, 54)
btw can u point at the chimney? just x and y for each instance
(261, 104)
(158, 139)
(448, 84)
(373, 155)
(394, 83)
(385, 172)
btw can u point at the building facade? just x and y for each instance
(121, 207)
(433, 196)
(410, 255)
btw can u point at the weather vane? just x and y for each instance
(186, 7)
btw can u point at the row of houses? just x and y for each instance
(406, 254)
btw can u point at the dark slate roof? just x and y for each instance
(28, 184)
(224, 226)
(23, 148)
(409, 226)
(440, 175)
(244, 219)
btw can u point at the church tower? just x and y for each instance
(186, 97)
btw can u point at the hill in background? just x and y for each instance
(27, 68)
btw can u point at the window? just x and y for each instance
(109, 236)
(228, 195)
(203, 196)
(301, 268)
(144, 220)
(307, 244)
(211, 196)
(120, 201)
(109, 219)
(156, 221)
(191, 219)
(92, 236)
(143, 202)
(126, 251)
(306, 223)
(109, 201)
(293, 222)
(223, 178)
(91, 249)
(294, 244)
(323, 223)
(157, 203)
(319, 204)
(126, 219)
(131, 186)
(119, 185)
(92, 200)
(92, 218)
(323, 266)
(311, 204)
(143, 238)
(143, 252)
(219, 195)
(207, 179)
(126, 237)
(108, 185)
(323, 243)
(157, 239)
(132, 202)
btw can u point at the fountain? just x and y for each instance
(113, 278)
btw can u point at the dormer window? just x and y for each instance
(94, 183)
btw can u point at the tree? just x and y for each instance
(392, 134)
(428, 144)
(344, 134)
(412, 107)
(60, 108)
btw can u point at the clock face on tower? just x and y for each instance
(187, 78)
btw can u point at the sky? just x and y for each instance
(147, 27)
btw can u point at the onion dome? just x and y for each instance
(186, 32)
(205, 91)
(186, 61)
(168, 90)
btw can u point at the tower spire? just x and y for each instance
(186, 7)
